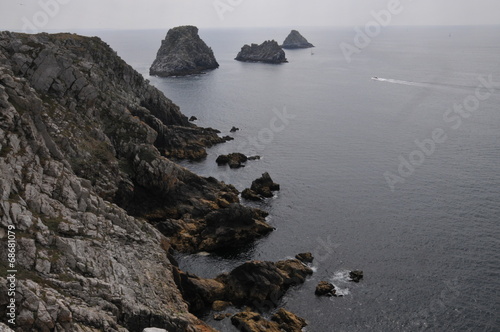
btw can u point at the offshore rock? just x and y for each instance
(182, 52)
(296, 40)
(234, 160)
(261, 187)
(268, 52)
(356, 276)
(325, 288)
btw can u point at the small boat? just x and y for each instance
(374, 78)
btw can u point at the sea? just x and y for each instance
(387, 151)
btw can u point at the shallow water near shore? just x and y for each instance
(327, 133)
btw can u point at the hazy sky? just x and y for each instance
(147, 14)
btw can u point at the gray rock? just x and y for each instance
(296, 40)
(268, 52)
(183, 53)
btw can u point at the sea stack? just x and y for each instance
(268, 52)
(296, 40)
(183, 52)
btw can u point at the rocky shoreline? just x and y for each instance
(88, 183)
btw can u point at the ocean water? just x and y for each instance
(328, 130)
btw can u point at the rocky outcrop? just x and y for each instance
(268, 52)
(234, 160)
(282, 320)
(356, 276)
(261, 188)
(296, 40)
(182, 52)
(305, 257)
(256, 284)
(324, 288)
(84, 179)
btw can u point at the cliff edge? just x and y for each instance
(88, 188)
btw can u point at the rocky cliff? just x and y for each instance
(296, 40)
(182, 52)
(96, 204)
(268, 52)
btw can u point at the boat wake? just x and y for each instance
(433, 85)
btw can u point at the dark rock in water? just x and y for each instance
(254, 158)
(261, 187)
(356, 276)
(182, 52)
(268, 52)
(296, 40)
(234, 160)
(305, 257)
(256, 284)
(282, 320)
(250, 195)
(234, 129)
(325, 288)
(193, 118)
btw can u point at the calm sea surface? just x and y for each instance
(328, 132)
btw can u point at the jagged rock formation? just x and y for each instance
(261, 188)
(234, 160)
(324, 288)
(256, 284)
(84, 178)
(182, 52)
(296, 40)
(268, 52)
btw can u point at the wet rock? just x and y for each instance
(261, 187)
(234, 129)
(356, 275)
(296, 40)
(305, 257)
(325, 288)
(234, 160)
(268, 52)
(288, 321)
(254, 158)
(183, 53)
(193, 118)
(250, 195)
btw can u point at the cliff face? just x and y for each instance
(83, 181)
(182, 52)
(296, 40)
(268, 52)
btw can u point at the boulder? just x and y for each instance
(288, 321)
(261, 187)
(296, 40)
(268, 52)
(193, 118)
(325, 288)
(234, 129)
(183, 52)
(234, 160)
(356, 275)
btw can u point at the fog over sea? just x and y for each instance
(377, 170)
